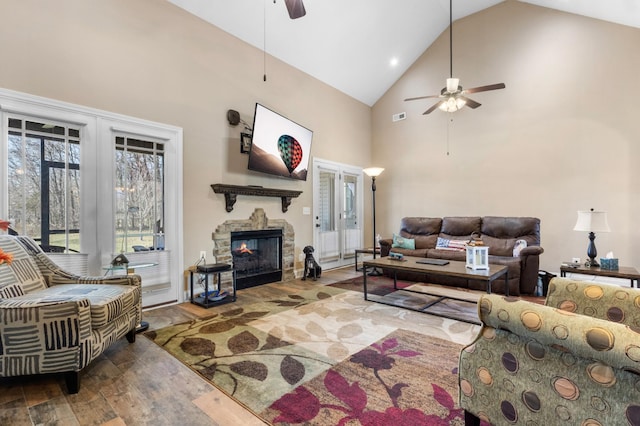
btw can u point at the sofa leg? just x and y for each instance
(73, 381)
(131, 336)
(470, 419)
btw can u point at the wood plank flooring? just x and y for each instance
(139, 383)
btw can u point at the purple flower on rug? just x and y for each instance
(382, 360)
(297, 407)
(302, 406)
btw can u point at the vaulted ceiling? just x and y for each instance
(361, 47)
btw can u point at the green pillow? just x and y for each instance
(405, 243)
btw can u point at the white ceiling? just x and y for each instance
(349, 44)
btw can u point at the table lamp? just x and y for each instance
(591, 221)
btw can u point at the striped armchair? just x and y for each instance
(55, 322)
(575, 361)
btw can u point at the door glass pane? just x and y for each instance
(327, 205)
(350, 202)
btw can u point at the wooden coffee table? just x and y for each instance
(452, 269)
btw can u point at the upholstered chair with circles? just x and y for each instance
(574, 360)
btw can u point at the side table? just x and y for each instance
(624, 272)
(207, 299)
(367, 251)
(130, 269)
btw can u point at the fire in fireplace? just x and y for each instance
(257, 257)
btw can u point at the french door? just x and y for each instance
(338, 213)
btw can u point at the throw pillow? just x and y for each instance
(452, 245)
(405, 243)
(517, 248)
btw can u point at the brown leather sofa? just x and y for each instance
(498, 233)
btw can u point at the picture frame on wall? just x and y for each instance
(245, 143)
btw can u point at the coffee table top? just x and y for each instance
(453, 268)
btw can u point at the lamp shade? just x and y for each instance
(592, 221)
(373, 171)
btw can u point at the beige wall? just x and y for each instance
(152, 60)
(563, 136)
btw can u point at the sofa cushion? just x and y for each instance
(501, 233)
(22, 271)
(402, 242)
(108, 301)
(459, 227)
(424, 230)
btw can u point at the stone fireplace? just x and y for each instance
(258, 221)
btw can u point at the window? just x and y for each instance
(139, 194)
(59, 165)
(44, 182)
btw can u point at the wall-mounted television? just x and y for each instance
(279, 146)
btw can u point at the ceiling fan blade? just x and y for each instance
(423, 97)
(434, 107)
(295, 8)
(485, 88)
(470, 102)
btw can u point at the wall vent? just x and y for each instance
(399, 116)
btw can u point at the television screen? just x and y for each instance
(279, 146)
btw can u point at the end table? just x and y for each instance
(624, 272)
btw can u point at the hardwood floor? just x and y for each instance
(139, 383)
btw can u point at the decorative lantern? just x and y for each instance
(477, 257)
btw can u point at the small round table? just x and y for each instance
(131, 269)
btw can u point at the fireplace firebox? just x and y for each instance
(257, 257)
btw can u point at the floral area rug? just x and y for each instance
(317, 357)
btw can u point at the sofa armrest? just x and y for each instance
(57, 279)
(590, 338)
(531, 251)
(55, 330)
(55, 276)
(603, 301)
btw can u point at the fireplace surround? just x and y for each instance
(256, 222)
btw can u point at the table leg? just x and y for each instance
(506, 283)
(364, 274)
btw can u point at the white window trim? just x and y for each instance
(97, 153)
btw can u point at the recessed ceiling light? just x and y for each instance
(393, 62)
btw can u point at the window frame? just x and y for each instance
(97, 205)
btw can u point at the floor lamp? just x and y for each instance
(374, 172)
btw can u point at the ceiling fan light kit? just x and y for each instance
(452, 97)
(452, 104)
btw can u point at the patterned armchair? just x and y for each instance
(574, 360)
(55, 322)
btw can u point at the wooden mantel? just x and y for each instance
(232, 191)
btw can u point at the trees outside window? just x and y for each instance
(44, 182)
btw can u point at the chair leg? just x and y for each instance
(73, 381)
(470, 419)
(131, 336)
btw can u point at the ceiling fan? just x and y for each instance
(295, 8)
(453, 96)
